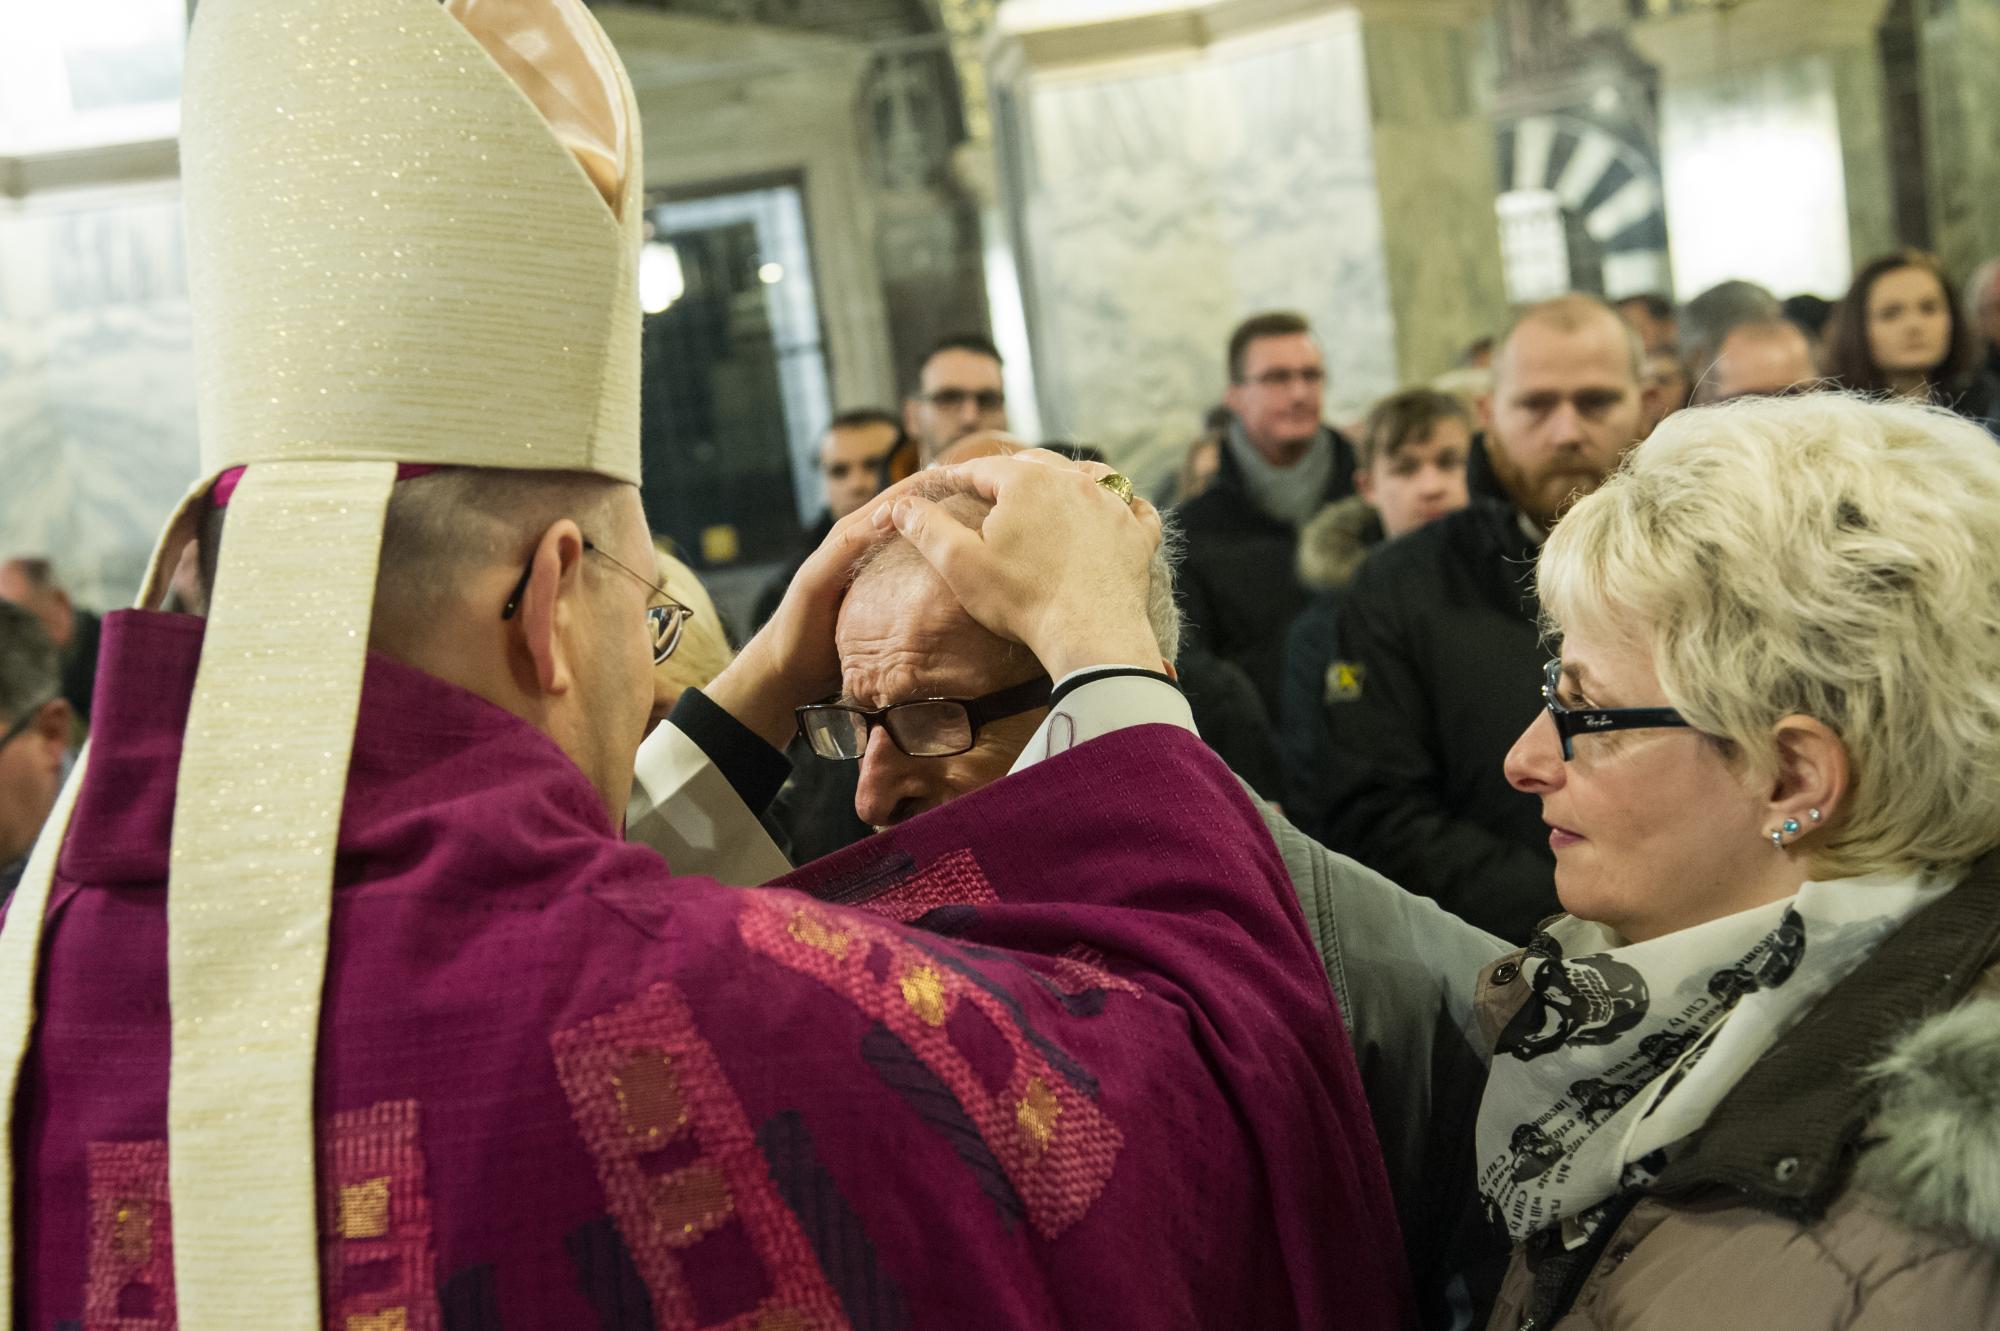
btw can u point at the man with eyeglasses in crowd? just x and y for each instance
(959, 392)
(1280, 465)
(34, 736)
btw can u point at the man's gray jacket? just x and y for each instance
(1403, 970)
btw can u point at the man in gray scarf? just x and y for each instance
(1280, 465)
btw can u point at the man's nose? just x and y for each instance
(1566, 426)
(888, 778)
(1535, 763)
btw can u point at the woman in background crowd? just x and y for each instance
(1899, 331)
(1749, 1080)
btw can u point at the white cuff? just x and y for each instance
(683, 807)
(1098, 707)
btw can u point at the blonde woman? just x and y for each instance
(1752, 1078)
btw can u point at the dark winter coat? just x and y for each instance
(1239, 589)
(1332, 548)
(1439, 634)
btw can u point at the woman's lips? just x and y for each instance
(1562, 836)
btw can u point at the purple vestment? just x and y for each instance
(1060, 1055)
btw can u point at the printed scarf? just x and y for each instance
(1623, 1050)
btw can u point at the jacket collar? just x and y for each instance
(1488, 538)
(1480, 478)
(1786, 1138)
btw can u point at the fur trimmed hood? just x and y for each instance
(1936, 1153)
(1335, 542)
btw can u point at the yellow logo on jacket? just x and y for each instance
(1343, 681)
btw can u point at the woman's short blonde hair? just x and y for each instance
(704, 646)
(1824, 556)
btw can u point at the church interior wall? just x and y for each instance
(1145, 203)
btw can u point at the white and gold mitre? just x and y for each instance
(413, 236)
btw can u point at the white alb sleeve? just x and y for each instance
(683, 807)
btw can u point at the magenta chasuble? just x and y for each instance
(1061, 1054)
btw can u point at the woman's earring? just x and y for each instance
(1791, 826)
(1777, 840)
(1813, 814)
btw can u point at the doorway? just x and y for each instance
(736, 386)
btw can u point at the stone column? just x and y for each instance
(1772, 141)
(1434, 152)
(1171, 168)
(1961, 102)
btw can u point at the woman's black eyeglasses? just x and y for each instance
(922, 728)
(665, 621)
(1574, 721)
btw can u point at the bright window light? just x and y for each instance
(661, 281)
(1534, 245)
(1756, 187)
(89, 73)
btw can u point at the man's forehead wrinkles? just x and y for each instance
(881, 671)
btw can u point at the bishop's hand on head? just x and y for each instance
(1061, 564)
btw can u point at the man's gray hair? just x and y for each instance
(30, 669)
(1163, 611)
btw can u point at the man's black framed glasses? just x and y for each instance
(1574, 721)
(921, 728)
(664, 621)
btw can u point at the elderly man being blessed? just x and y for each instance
(934, 707)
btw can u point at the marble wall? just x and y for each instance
(1161, 203)
(97, 408)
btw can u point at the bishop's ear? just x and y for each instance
(550, 614)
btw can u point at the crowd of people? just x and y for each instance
(1372, 698)
(1528, 861)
